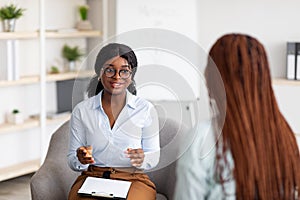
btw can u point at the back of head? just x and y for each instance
(263, 146)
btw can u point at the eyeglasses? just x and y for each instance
(111, 72)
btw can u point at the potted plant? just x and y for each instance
(8, 15)
(54, 70)
(71, 54)
(15, 117)
(84, 23)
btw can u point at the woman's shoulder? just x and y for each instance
(200, 144)
(140, 102)
(86, 104)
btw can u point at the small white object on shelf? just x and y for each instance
(9, 60)
(15, 117)
(84, 25)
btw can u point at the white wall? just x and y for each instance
(272, 22)
(173, 15)
(166, 72)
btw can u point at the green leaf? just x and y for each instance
(71, 53)
(15, 111)
(11, 12)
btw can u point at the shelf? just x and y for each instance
(18, 35)
(75, 34)
(19, 169)
(69, 75)
(28, 123)
(31, 123)
(50, 77)
(59, 118)
(54, 34)
(283, 81)
(22, 81)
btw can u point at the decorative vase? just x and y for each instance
(84, 25)
(9, 25)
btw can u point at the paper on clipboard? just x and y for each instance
(105, 187)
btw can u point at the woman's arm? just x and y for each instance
(147, 157)
(77, 140)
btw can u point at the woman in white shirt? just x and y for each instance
(256, 156)
(121, 128)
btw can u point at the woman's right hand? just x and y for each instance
(84, 155)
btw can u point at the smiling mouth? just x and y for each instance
(116, 85)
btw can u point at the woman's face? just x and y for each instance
(116, 76)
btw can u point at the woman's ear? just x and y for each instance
(101, 73)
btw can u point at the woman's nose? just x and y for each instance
(117, 75)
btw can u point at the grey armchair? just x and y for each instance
(54, 178)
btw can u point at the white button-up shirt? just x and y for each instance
(136, 127)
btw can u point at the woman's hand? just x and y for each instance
(84, 155)
(136, 156)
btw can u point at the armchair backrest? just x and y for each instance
(54, 178)
(164, 174)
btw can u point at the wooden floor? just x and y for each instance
(16, 189)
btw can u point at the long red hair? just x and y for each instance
(263, 146)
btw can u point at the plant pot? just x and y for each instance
(8, 25)
(84, 25)
(15, 118)
(72, 66)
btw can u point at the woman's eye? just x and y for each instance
(124, 71)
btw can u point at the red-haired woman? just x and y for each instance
(256, 155)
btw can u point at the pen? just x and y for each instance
(102, 194)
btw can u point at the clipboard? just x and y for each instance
(108, 188)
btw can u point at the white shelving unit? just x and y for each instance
(18, 35)
(283, 81)
(39, 125)
(76, 34)
(49, 77)
(22, 81)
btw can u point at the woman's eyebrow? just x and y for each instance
(122, 66)
(109, 64)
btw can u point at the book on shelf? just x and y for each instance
(297, 70)
(291, 60)
(9, 60)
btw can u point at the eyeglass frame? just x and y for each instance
(115, 71)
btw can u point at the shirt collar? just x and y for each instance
(129, 100)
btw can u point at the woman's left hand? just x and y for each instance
(136, 156)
